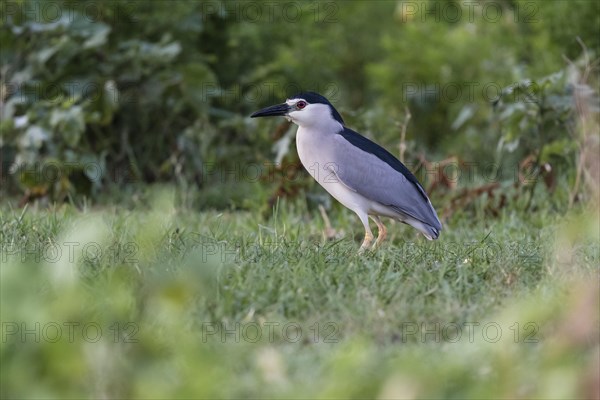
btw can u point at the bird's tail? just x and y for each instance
(430, 232)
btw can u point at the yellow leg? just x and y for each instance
(382, 231)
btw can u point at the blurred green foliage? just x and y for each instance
(118, 303)
(118, 92)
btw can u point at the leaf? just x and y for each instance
(34, 137)
(69, 124)
(163, 53)
(511, 109)
(99, 36)
(512, 146)
(557, 148)
(44, 55)
(94, 168)
(560, 103)
(110, 101)
(38, 27)
(465, 114)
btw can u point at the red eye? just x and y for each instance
(300, 105)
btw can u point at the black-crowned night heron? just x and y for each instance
(359, 173)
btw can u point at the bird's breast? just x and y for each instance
(315, 152)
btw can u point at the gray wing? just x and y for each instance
(367, 174)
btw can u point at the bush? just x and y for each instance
(105, 94)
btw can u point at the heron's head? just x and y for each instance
(305, 109)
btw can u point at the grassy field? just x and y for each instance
(162, 301)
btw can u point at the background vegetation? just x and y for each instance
(101, 94)
(139, 198)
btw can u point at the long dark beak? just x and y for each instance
(278, 109)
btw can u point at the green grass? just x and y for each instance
(170, 302)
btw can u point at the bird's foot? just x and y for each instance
(366, 244)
